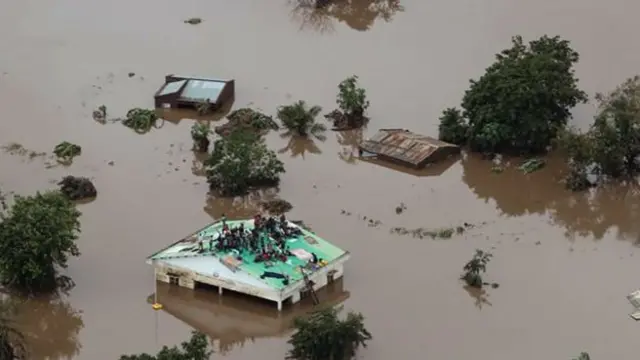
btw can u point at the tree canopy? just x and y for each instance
(521, 102)
(241, 161)
(37, 235)
(12, 344)
(323, 335)
(197, 348)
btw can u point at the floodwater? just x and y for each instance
(564, 262)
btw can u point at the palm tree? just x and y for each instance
(301, 121)
(12, 344)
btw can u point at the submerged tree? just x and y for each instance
(300, 120)
(200, 134)
(523, 99)
(475, 266)
(77, 188)
(141, 120)
(241, 161)
(611, 147)
(247, 120)
(583, 356)
(197, 348)
(66, 151)
(323, 335)
(37, 236)
(352, 101)
(359, 15)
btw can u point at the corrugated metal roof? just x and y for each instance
(403, 145)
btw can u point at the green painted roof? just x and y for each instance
(308, 242)
(201, 90)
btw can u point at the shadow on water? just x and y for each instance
(349, 141)
(238, 207)
(197, 163)
(591, 213)
(319, 15)
(480, 296)
(49, 324)
(298, 146)
(232, 318)
(435, 169)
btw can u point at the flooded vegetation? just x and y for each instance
(561, 225)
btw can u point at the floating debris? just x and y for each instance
(193, 21)
(442, 233)
(77, 188)
(277, 206)
(400, 208)
(532, 165)
(100, 114)
(18, 149)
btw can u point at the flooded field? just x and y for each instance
(564, 262)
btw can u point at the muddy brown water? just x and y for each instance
(564, 262)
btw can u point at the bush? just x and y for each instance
(240, 162)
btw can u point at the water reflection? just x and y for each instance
(359, 15)
(232, 319)
(239, 207)
(49, 324)
(197, 163)
(591, 213)
(480, 296)
(349, 141)
(299, 146)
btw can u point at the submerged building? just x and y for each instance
(190, 92)
(406, 148)
(308, 264)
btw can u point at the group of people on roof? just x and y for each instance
(267, 238)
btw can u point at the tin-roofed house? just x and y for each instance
(190, 92)
(406, 148)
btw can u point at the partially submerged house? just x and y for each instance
(232, 319)
(197, 259)
(406, 148)
(190, 92)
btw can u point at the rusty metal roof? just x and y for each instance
(403, 145)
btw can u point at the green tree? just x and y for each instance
(37, 235)
(323, 335)
(475, 266)
(524, 98)
(352, 101)
(299, 119)
(611, 147)
(12, 344)
(241, 161)
(197, 348)
(453, 128)
(616, 130)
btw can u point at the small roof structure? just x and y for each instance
(406, 148)
(189, 92)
